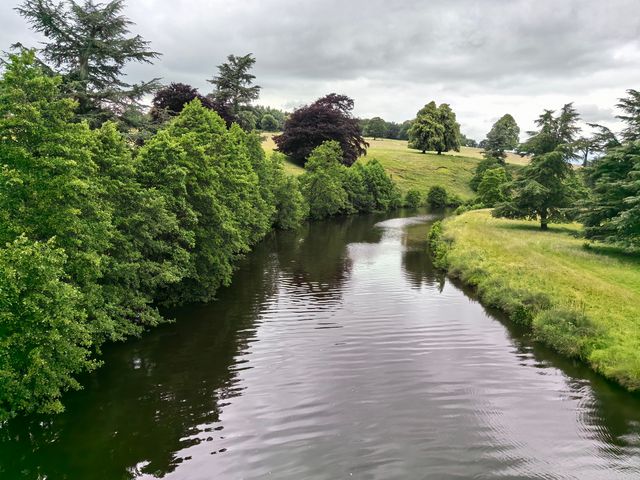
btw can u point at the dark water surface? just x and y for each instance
(338, 352)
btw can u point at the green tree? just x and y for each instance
(147, 252)
(354, 183)
(247, 120)
(543, 191)
(268, 123)
(612, 211)
(413, 199)
(437, 197)
(504, 135)
(90, 44)
(555, 132)
(451, 128)
(321, 184)
(376, 128)
(492, 188)
(426, 131)
(483, 166)
(382, 190)
(630, 105)
(48, 182)
(205, 172)
(435, 129)
(234, 82)
(44, 339)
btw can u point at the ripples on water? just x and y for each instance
(338, 352)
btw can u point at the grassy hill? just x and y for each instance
(412, 169)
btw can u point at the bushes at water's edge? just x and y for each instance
(330, 188)
(96, 232)
(520, 289)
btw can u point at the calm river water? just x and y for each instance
(338, 352)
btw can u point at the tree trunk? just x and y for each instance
(424, 151)
(544, 225)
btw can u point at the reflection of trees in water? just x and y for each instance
(316, 256)
(159, 395)
(151, 395)
(417, 265)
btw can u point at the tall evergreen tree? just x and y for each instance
(612, 212)
(234, 83)
(542, 192)
(555, 132)
(90, 44)
(630, 105)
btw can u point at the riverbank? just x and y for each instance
(582, 301)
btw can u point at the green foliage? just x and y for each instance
(413, 199)
(90, 45)
(581, 302)
(215, 193)
(234, 83)
(95, 236)
(557, 132)
(438, 246)
(612, 211)
(376, 128)
(44, 338)
(321, 184)
(544, 191)
(483, 166)
(268, 123)
(504, 135)
(630, 105)
(380, 187)
(148, 251)
(332, 189)
(435, 129)
(48, 183)
(247, 120)
(437, 197)
(492, 188)
(426, 132)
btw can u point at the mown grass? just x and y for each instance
(584, 302)
(411, 169)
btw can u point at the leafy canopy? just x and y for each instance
(435, 129)
(327, 119)
(90, 44)
(234, 83)
(504, 135)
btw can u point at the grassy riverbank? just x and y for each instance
(411, 169)
(583, 302)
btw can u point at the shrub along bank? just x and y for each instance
(583, 301)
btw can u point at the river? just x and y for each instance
(338, 352)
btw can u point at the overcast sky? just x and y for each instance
(484, 57)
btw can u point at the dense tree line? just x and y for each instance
(377, 127)
(98, 233)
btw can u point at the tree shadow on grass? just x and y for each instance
(535, 228)
(613, 251)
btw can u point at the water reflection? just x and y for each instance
(338, 351)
